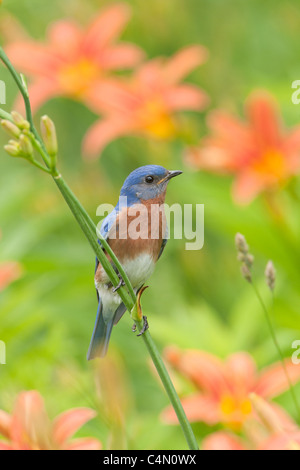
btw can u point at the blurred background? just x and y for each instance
(196, 299)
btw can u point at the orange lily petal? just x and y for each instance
(111, 97)
(68, 422)
(186, 97)
(106, 27)
(30, 425)
(149, 74)
(274, 418)
(86, 443)
(121, 56)
(272, 380)
(5, 424)
(240, 371)
(289, 441)
(204, 369)
(285, 420)
(293, 139)
(4, 446)
(65, 37)
(33, 58)
(102, 133)
(263, 115)
(197, 408)
(209, 157)
(222, 441)
(232, 136)
(227, 127)
(246, 187)
(183, 62)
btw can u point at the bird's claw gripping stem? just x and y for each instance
(145, 326)
(121, 283)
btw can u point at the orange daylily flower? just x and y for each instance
(72, 59)
(146, 104)
(268, 431)
(259, 152)
(224, 386)
(29, 427)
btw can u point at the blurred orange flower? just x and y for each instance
(73, 59)
(259, 152)
(145, 104)
(223, 440)
(29, 427)
(267, 432)
(224, 387)
(9, 272)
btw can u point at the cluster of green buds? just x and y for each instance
(18, 128)
(23, 142)
(244, 256)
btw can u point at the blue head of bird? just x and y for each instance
(147, 182)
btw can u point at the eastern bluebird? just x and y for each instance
(137, 234)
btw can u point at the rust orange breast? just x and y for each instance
(138, 229)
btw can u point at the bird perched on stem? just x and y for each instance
(137, 233)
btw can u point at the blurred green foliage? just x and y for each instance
(196, 299)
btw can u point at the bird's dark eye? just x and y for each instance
(149, 179)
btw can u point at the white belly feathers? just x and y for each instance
(137, 270)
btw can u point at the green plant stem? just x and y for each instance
(169, 387)
(41, 167)
(277, 346)
(88, 227)
(23, 89)
(5, 115)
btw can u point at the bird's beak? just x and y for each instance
(170, 175)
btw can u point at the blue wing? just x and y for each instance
(104, 231)
(164, 242)
(102, 329)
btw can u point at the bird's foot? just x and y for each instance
(133, 327)
(145, 326)
(121, 283)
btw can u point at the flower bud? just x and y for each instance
(241, 244)
(270, 275)
(26, 146)
(248, 259)
(49, 136)
(244, 256)
(246, 273)
(13, 149)
(20, 121)
(136, 312)
(10, 128)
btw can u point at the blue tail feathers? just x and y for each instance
(101, 335)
